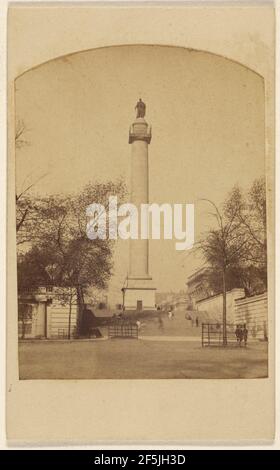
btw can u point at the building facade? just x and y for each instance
(47, 312)
(198, 286)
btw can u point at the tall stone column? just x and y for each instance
(139, 138)
(139, 293)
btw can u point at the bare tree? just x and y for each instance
(250, 208)
(67, 296)
(25, 208)
(20, 134)
(236, 248)
(222, 248)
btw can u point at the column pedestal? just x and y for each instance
(140, 294)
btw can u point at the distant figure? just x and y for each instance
(138, 323)
(170, 315)
(140, 109)
(239, 335)
(237, 332)
(160, 323)
(196, 322)
(245, 335)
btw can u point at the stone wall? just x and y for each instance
(253, 312)
(214, 305)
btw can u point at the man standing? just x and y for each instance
(140, 109)
(238, 334)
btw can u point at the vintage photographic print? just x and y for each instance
(141, 216)
(140, 242)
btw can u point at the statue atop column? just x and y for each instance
(140, 129)
(140, 109)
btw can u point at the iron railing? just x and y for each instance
(122, 329)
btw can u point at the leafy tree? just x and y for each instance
(61, 254)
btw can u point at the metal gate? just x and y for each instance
(212, 334)
(123, 329)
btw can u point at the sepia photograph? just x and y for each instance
(141, 216)
(141, 272)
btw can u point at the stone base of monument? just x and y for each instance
(140, 294)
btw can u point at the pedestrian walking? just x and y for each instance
(245, 335)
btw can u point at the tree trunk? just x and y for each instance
(123, 298)
(80, 305)
(224, 309)
(69, 319)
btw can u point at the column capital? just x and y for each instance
(140, 130)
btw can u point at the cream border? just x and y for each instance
(53, 411)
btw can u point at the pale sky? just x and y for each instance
(207, 117)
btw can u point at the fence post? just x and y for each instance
(202, 334)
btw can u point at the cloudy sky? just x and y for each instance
(207, 116)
